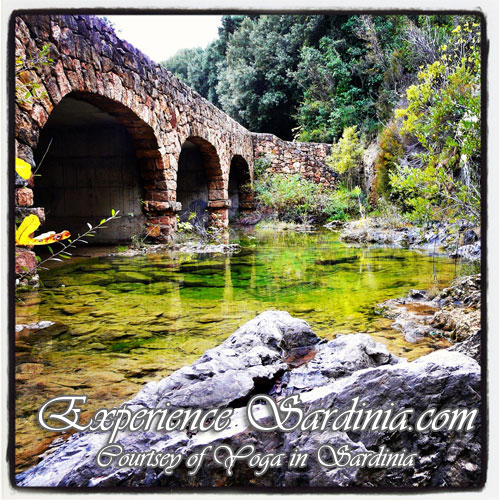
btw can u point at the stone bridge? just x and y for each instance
(113, 129)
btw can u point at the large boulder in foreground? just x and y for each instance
(250, 358)
(284, 353)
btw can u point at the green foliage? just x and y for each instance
(186, 226)
(346, 154)
(256, 84)
(27, 85)
(261, 165)
(295, 199)
(312, 76)
(441, 180)
(199, 68)
(333, 78)
(345, 76)
(390, 152)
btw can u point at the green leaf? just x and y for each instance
(113, 212)
(50, 250)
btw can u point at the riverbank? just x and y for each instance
(463, 243)
(453, 313)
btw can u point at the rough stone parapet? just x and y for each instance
(305, 158)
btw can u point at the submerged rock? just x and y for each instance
(40, 325)
(250, 362)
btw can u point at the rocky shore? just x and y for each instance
(464, 244)
(454, 313)
(279, 355)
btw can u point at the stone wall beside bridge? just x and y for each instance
(115, 129)
(304, 158)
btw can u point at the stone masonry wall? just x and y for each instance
(159, 112)
(304, 158)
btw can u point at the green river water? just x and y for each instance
(123, 321)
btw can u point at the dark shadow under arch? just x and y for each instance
(199, 178)
(239, 188)
(98, 153)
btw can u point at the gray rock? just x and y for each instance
(471, 346)
(413, 331)
(356, 368)
(470, 237)
(34, 326)
(251, 356)
(442, 379)
(470, 252)
(335, 359)
(208, 248)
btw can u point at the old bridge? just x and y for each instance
(116, 130)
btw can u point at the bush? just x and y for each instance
(390, 152)
(295, 199)
(346, 154)
(440, 179)
(261, 165)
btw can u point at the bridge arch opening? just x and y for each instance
(199, 180)
(93, 154)
(239, 188)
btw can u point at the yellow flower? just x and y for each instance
(23, 169)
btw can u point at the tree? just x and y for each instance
(256, 80)
(346, 154)
(439, 178)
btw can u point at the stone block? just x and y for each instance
(25, 261)
(23, 212)
(24, 197)
(219, 204)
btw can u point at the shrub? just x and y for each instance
(440, 180)
(295, 199)
(346, 154)
(390, 152)
(261, 165)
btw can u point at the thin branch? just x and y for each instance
(80, 239)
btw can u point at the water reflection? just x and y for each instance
(121, 321)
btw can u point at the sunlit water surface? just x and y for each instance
(123, 321)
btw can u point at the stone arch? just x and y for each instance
(200, 181)
(212, 167)
(155, 108)
(110, 159)
(240, 192)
